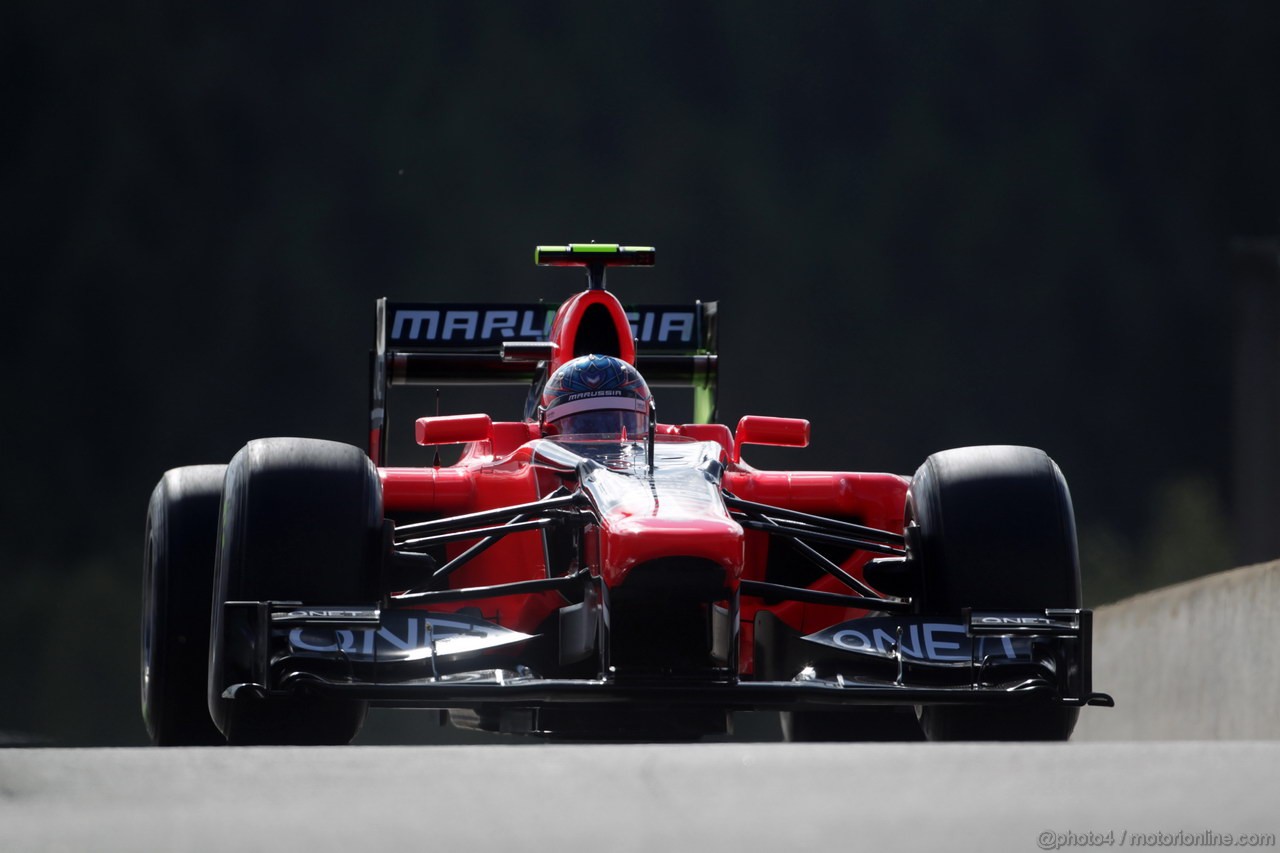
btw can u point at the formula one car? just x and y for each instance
(588, 571)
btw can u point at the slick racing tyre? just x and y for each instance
(301, 521)
(177, 582)
(992, 528)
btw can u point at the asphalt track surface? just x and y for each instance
(703, 797)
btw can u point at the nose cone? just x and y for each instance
(665, 518)
(672, 558)
(628, 541)
(672, 512)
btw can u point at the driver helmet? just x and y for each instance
(596, 395)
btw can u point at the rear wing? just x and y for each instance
(463, 344)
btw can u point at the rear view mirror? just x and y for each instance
(777, 432)
(453, 429)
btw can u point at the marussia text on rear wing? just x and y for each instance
(417, 343)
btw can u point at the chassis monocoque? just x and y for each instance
(641, 587)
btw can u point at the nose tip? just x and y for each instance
(642, 540)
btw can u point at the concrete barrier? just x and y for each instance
(1196, 661)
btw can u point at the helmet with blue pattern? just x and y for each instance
(596, 395)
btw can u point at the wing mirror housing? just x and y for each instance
(775, 432)
(453, 429)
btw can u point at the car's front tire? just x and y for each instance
(301, 521)
(177, 583)
(992, 528)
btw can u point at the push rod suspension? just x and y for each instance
(471, 520)
(831, 524)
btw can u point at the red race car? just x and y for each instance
(588, 571)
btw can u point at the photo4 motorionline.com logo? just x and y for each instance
(1051, 840)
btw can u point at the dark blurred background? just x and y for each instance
(928, 225)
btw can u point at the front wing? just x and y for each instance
(418, 658)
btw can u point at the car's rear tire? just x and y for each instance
(301, 521)
(177, 583)
(993, 528)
